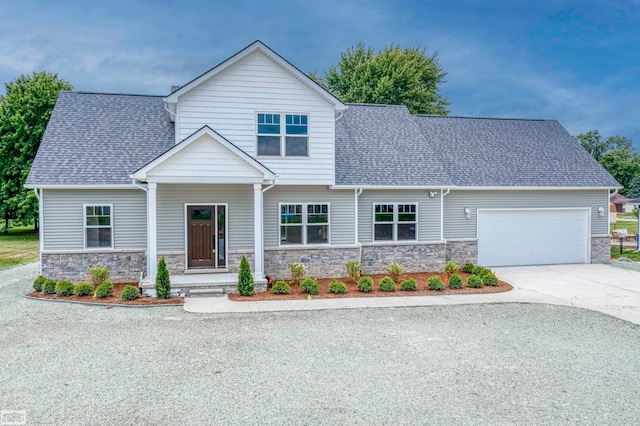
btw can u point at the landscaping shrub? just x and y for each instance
(455, 281)
(353, 269)
(337, 287)
(129, 292)
(298, 271)
(163, 282)
(468, 268)
(451, 268)
(104, 290)
(365, 284)
(98, 274)
(409, 285)
(245, 278)
(488, 278)
(480, 270)
(280, 287)
(309, 285)
(49, 286)
(387, 284)
(37, 284)
(394, 270)
(83, 289)
(475, 281)
(435, 283)
(64, 288)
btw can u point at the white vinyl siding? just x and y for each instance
(456, 225)
(205, 158)
(64, 217)
(428, 211)
(341, 211)
(229, 103)
(171, 213)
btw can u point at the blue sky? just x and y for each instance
(577, 62)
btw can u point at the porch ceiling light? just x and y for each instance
(467, 213)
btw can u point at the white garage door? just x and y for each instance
(533, 237)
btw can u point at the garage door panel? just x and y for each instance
(532, 237)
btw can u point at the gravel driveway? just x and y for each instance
(467, 364)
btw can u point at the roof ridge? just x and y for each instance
(83, 92)
(376, 105)
(484, 118)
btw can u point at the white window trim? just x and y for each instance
(283, 135)
(394, 223)
(84, 226)
(304, 223)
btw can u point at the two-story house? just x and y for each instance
(255, 159)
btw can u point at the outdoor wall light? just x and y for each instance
(433, 194)
(601, 211)
(467, 213)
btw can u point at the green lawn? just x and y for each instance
(20, 245)
(630, 225)
(627, 252)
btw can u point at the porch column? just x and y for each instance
(258, 274)
(152, 237)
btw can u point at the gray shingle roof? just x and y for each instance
(510, 152)
(95, 138)
(383, 145)
(378, 145)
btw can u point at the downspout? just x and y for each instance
(38, 195)
(442, 195)
(142, 277)
(357, 193)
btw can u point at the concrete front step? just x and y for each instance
(203, 285)
(205, 292)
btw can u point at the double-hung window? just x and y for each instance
(98, 225)
(283, 135)
(395, 222)
(304, 223)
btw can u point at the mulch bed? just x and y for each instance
(352, 289)
(114, 299)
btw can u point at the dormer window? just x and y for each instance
(284, 135)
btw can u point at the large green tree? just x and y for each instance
(623, 165)
(597, 147)
(24, 113)
(393, 75)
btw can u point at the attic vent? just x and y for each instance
(174, 88)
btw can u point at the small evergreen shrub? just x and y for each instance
(365, 284)
(64, 288)
(451, 268)
(337, 287)
(298, 271)
(104, 290)
(394, 270)
(245, 278)
(387, 284)
(480, 270)
(280, 287)
(37, 284)
(468, 268)
(488, 278)
(129, 292)
(309, 285)
(455, 281)
(353, 269)
(49, 286)
(163, 282)
(475, 281)
(98, 274)
(435, 283)
(83, 289)
(409, 285)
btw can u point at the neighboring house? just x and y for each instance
(622, 203)
(254, 159)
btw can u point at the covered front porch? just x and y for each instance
(204, 213)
